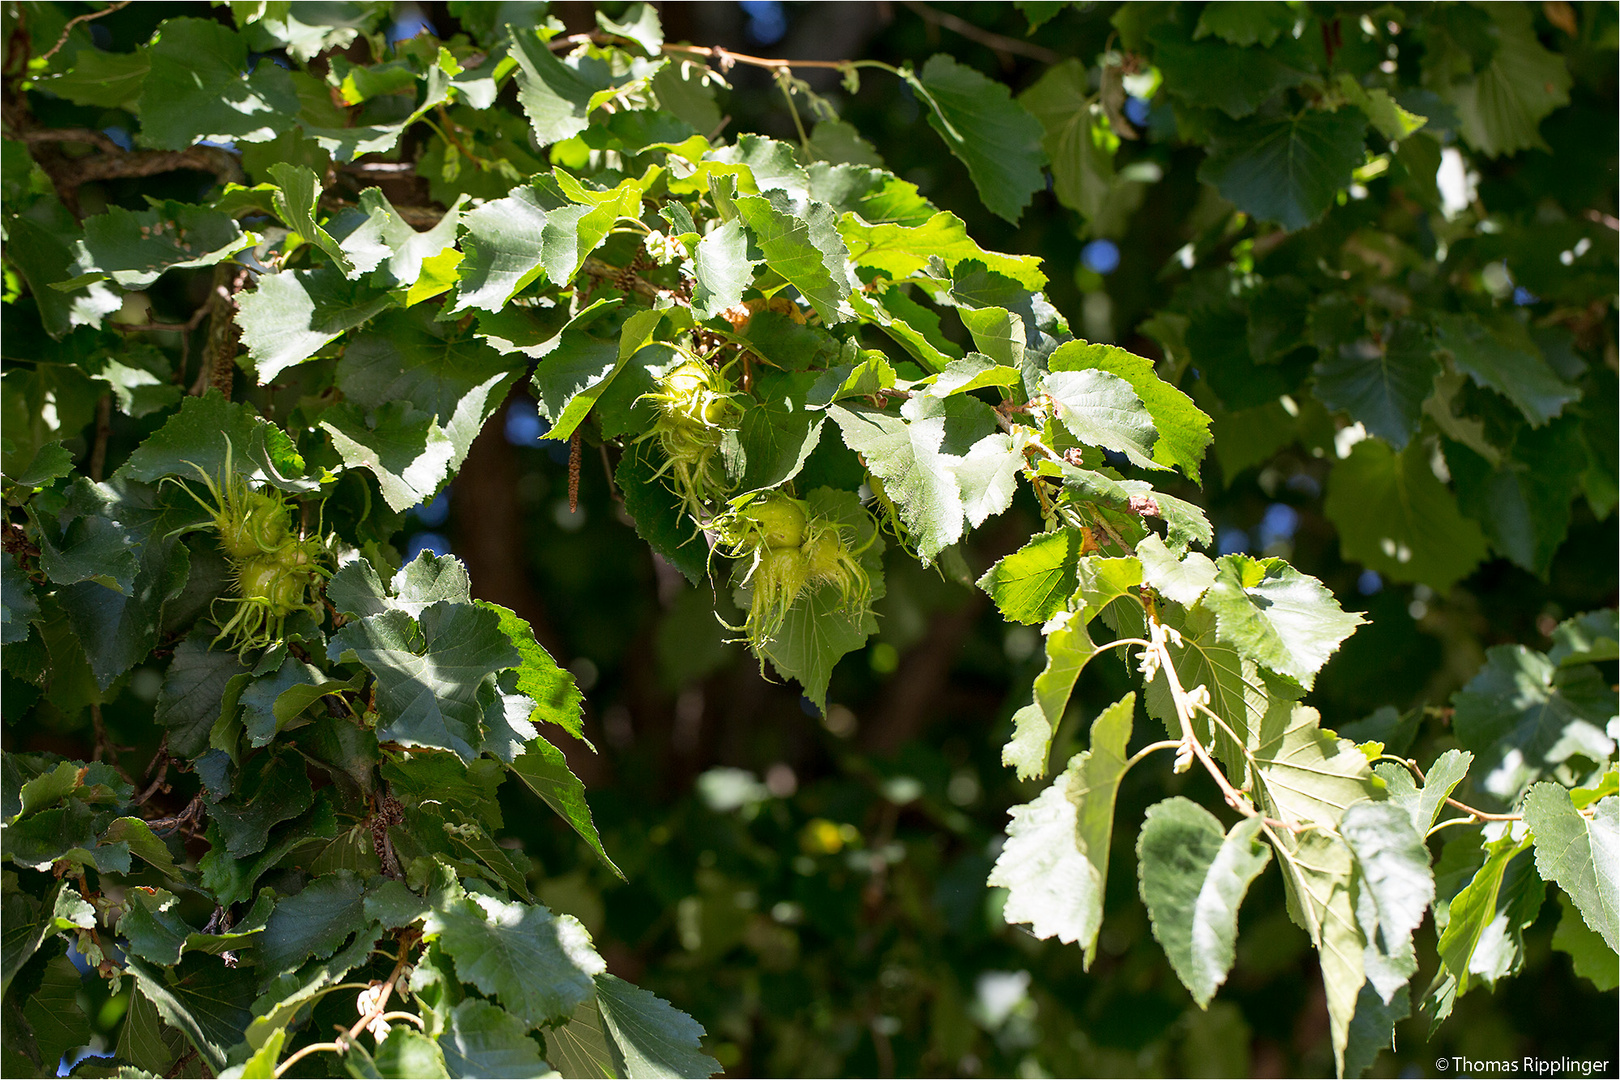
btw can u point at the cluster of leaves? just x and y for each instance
(592, 235)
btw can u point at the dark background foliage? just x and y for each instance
(811, 887)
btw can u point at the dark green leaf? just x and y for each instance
(538, 965)
(1592, 957)
(210, 433)
(208, 1001)
(433, 682)
(314, 922)
(272, 787)
(189, 702)
(999, 142)
(657, 512)
(647, 1036)
(485, 1040)
(1383, 386)
(1502, 357)
(1287, 170)
(199, 87)
(134, 248)
(1524, 719)
(1394, 516)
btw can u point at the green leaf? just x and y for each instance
(1055, 862)
(295, 199)
(143, 842)
(270, 704)
(1502, 356)
(135, 248)
(1502, 106)
(1101, 409)
(52, 1011)
(199, 87)
(1182, 428)
(903, 251)
(1383, 111)
(647, 1036)
(1277, 616)
(312, 923)
(1396, 886)
(639, 22)
(1581, 854)
(538, 965)
(271, 787)
(156, 931)
(1394, 516)
(1524, 504)
(393, 252)
(579, 1048)
(435, 675)
(1068, 649)
(1193, 878)
(1244, 22)
(1525, 719)
(778, 433)
(119, 628)
(512, 242)
(1235, 80)
(20, 607)
(210, 431)
(801, 243)
(1593, 959)
(485, 1040)
(404, 448)
(406, 1052)
(46, 251)
(87, 542)
(922, 458)
(1307, 775)
(1287, 170)
(722, 270)
(188, 702)
(685, 89)
(1424, 803)
(1251, 702)
(1035, 582)
(556, 697)
(1372, 1028)
(544, 770)
(977, 118)
(658, 515)
(555, 96)
(1484, 933)
(1587, 638)
(1383, 385)
(52, 461)
(290, 316)
(106, 79)
(144, 1041)
(1318, 872)
(1082, 170)
(408, 356)
(202, 997)
(1185, 579)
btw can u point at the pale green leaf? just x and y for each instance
(1580, 853)
(1193, 878)
(1277, 616)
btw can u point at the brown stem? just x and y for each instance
(98, 450)
(67, 31)
(573, 472)
(989, 40)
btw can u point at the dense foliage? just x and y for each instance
(272, 269)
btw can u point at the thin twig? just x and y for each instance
(98, 450)
(993, 41)
(574, 447)
(67, 31)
